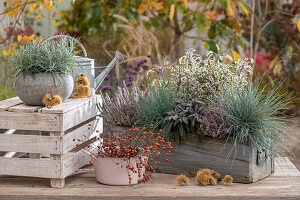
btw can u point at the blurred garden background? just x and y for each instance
(150, 32)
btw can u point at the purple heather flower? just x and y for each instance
(107, 77)
(148, 55)
(140, 63)
(131, 78)
(128, 83)
(106, 88)
(142, 85)
(130, 71)
(145, 66)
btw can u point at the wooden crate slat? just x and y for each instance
(23, 108)
(30, 121)
(5, 104)
(56, 127)
(44, 168)
(79, 115)
(67, 106)
(82, 133)
(73, 161)
(31, 143)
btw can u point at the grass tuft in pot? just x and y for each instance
(57, 57)
(255, 116)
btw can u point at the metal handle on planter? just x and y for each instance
(67, 36)
(262, 156)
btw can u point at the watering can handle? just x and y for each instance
(67, 36)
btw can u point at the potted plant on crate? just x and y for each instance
(41, 68)
(121, 158)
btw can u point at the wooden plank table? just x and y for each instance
(283, 184)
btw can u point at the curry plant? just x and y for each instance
(56, 57)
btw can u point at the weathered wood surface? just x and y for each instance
(6, 104)
(47, 132)
(283, 184)
(16, 115)
(201, 152)
(30, 121)
(49, 144)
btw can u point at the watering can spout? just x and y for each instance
(100, 78)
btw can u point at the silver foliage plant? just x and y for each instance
(122, 107)
(200, 78)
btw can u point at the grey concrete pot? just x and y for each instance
(31, 90)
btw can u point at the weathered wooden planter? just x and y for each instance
(47, 136)
(244, 163)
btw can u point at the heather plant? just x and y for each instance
(155, 105)
(255, 117)
(56, 57)
(201, 78)
(122, 107)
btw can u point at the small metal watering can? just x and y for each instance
(86, 66)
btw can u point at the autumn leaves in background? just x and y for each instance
(205, 177)
(82, 90)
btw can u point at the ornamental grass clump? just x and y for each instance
(154, 106)
(57, 57)
(122, 107)
(255, 117)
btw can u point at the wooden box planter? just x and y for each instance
(45, 136)
(244, 163)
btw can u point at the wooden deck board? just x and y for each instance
(284, 183)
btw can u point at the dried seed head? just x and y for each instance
(182, 179)
(227, 180)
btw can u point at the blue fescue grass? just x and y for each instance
(256, 117)
(155, 105)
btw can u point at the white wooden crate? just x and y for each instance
(46, 135)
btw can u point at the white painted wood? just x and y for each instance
(74, 161)
(82, 133)
(5, 104)
(44, 168)
(67, 106)
(23, 108)
(64, 122)
(30, 143)
(79, 115)
(58, 183)
(30, 121)
(34, 155)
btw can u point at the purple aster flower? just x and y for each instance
(130, 71)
